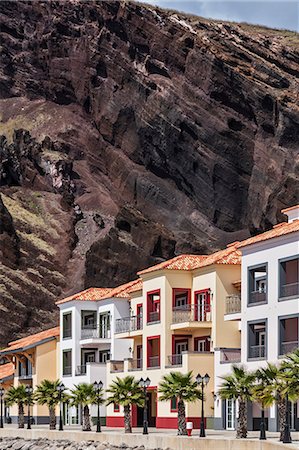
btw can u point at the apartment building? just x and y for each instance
(176, 319)
(268, 314)
(31, 360)
(88, 339)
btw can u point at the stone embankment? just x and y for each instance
(46, 444)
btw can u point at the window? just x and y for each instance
(105, 324)
(67, 325)
(116, 407)
(181, 298)
(153, 306)
(139, 311)
(153, 352)
(202, 344)
(257, 340)
(104, 356)
(88, 320)
(257, 284)
(289, 278)
(202, 311)
(288, 334)
(25, 369)
(67, 362)
(174, 404)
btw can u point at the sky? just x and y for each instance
(272, 13)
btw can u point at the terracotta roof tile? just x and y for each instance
(31, 340)
(6, 371)
(280, 230)
(91, 294)
(124, 290)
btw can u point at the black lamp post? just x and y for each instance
(28, 390)
(60, 389)
(145, 384)
(286, 432)
(97, 386)
(202, 382)
(1, 402)
(263, 426)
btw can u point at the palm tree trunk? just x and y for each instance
(52, 415)
(182, 430)
(242, 420)
(86, 419)
(20, 415)
(281, 409)
(127, 418)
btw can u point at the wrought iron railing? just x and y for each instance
(257, 351)
(233, 304)
(95, 333)
(289, 290)
(67, 333)
(67, 370)
(230, 355)
(191, 313)
(288, 347)
(126, 324)
(257, 297)
(154, 362)
(175, 360)
(153, 316)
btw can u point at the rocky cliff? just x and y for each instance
(129, 135)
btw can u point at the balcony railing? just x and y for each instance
(230, 355)
(257, 351)
(81, 370)
(67, 370)
(233, 304)
(191, 313)
(154, 362)
(126, 324)
(289, 290)
(116, 366)
(135, 364)
(257, 297)
(67, 333)
(153, 316)
(288, 347)
(175, 360)
(95, 333)
(25, 376)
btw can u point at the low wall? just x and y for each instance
(151, 441)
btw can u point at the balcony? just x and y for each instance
(257, 351)
(153, 362)
(81, 370)
(230, 355)
(257, 297)
(288, 347)
(191, 316)
(94, 336)
(128, 324)
(289, 290)
(116, 366)
(233, 304)
(153, 316)
(175, 360)
(135, 364)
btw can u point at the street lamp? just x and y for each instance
(60, 389)
(97, 387)
(202, 382)
(28, 390)
(145, 384)
(286, 432)
(263, 425)
(1, 401)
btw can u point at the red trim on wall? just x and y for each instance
(139, 307)
(202, 338)
(134, 415)
(174, 290)
(172, 422)
(115, 421)
(148, 349)
(149, 310)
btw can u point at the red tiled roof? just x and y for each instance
(6, 371)
(229, 255)
(125, 290)
(34, 339)
(91, 294)
(278, 230)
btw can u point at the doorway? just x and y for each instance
(230, 414)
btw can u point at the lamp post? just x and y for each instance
(97, 386)
(202, 382)
(1, 401)
(263, 426)
(286, 432)
(60, 389)
(145, 384)
(28, 390)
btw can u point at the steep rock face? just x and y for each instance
(152, 133)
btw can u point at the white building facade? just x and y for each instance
(268, 315)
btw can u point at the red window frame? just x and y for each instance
(207, 340)
(208, 300)
(154, 302)
(139, 306)
(175, 290)
(148, 349)
(116, 407)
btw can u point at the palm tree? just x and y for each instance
(237, 386)
(83, 394)
(126, 392)
(263, 395)
(18, 396)
(290, 366)
(184, 389)
(47, 394)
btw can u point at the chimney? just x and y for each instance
(292, 213)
